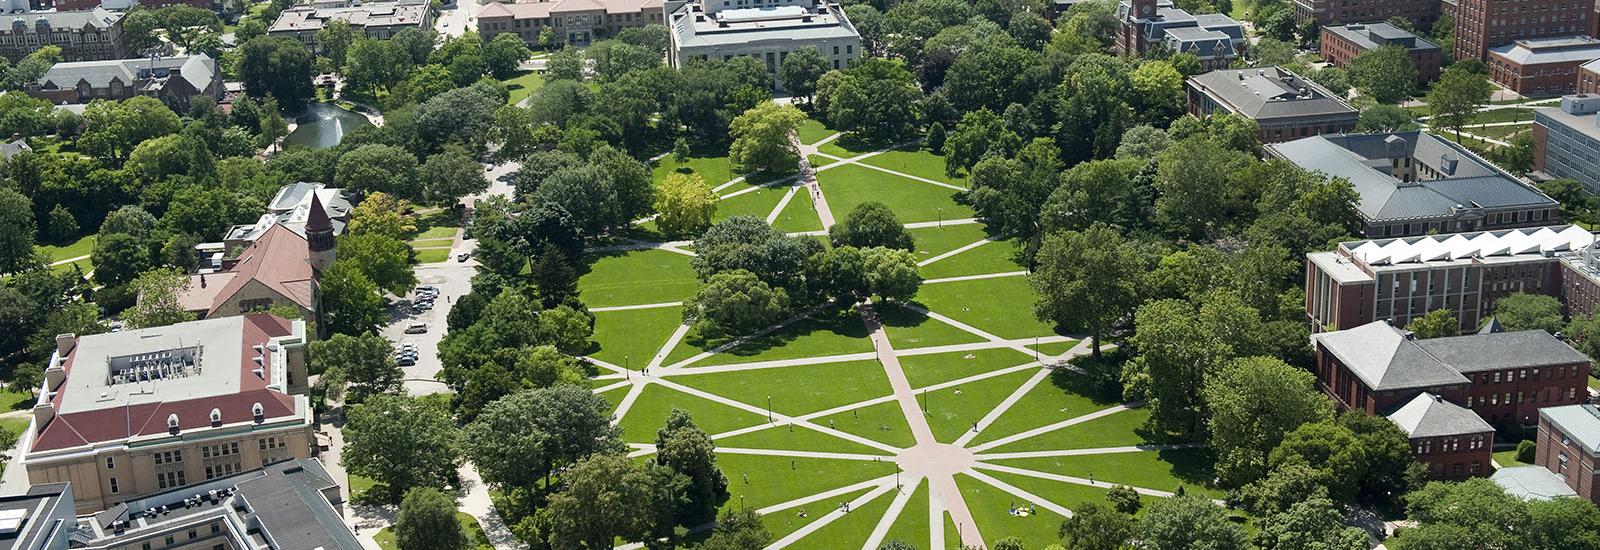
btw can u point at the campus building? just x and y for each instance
(288, 505)
(1568, 445)
(1342, 43)
(173, 80)
(1485, 24)
(1421, 13)
(574, 22)
(292, 207)
(1532, 483)
(1415, 183)
(278, 269)
(1284, 105)
(125, 415)
(767, 30)
(379, 20)
(87, 35)
(1214, 38)
(1542, 67)
(1566, 140)
(1589, 77)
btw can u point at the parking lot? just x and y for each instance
(453, 279)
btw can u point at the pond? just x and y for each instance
(322, 125)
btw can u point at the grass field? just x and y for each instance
(619, 279)
(798, 215)
(715, 170)
(521, 85)
(480, 541)
(909, 329)
(775, 479)
(883, 422)
(650, 412)
(952, 411)
(432, 254)
(1163, 470)
(758, 203)
(1005, 310)
(788, 437)
(916, 161)
(1114, 430)
(812, 131)
(1057, 398)
(992, 257)
(797, 390)
(912, 525)
(13, 400)
(991, 508)
(934, 368)
(850, 531)
(629, 338)
(1508, 459)
(933, 241)
(912, 201)
(823, 334)
(82, 247)
(783, 523)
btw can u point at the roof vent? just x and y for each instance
(172, 422)
(216, 417)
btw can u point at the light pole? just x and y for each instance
(941, 216)
(769, 409)
(1036, 349)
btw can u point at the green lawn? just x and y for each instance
(781, 524)
(12, 400)
(829, 333)
(798, 215)
(81, 247)
(1060, 397)
(883, 422)
(614, 397)
(1506, 459)
(952, 411)
(916, 161)
(993, 257)
(775, 479)
(1502, 115)
(934, 368)
(758, 203)
(15, 425)
(1070, 495)
(1056, 348)
(850, 531)
(909, 329)
(715, 170)
(911, 525)
(912, 201)
(812, 131)
(522, 85)
(845, 147)
(432, 255)
(360, 484)
(649, 413)
(480, 541)
(629, 338)
(637, 277)
(790, 438)
(933, 241)
(437, 232)
(991, 508)
(818, 161)
(797, 390)
(1005, 310)
(1161, 470)
(1502, 133)
(1114, 430)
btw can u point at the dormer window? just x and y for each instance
(172, 422)
(216, 417)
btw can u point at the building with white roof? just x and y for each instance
(378, 20)
(767, 30)
(1568, 445)
(575, 22)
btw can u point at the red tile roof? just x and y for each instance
(279, 259)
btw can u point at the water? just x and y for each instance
(322, 125)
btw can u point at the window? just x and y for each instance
(193, 533)
(111, 463)
(115, 489)
(215, 528)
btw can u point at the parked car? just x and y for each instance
(406, 361)
(462, 257)
(417, 328)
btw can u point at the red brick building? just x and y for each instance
(1569, 446)
(72, 5)
(1284, 106)
(1542, 67)
(1451, 441)
(1341, 43)
(1589, 77)
(1421, 13)
(1484, 24)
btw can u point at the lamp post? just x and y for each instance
(769, 409)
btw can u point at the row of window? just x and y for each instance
(168, 480)
(220, 450)
(1449, 445)
(222, 469)
(1495, 400)
(193, 534)
(1522, 374)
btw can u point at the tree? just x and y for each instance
(1093, 108)
(553, 275)
(111, 129)
(935, 138)
(402, 440)
(1456, 97)
(385, 260)
(891, 273)
(1094, 527)
(273, 126)
(350, 301)
(1386, 118)
(159, 291)
(683, 447)
(17, 230)
(1329, 449)
(1246, 428)
(503, 55)
(800, 71)
(1310, 524)
(374, 167)
(607, 497)
(686, 204)
(279, 67)
(1475, 513)
(876, 99)
(737, 530)
(334, 40)
(461, 116)
(375, 64)
(427, 519)
(1521, 311)
(519, 439)
(1124, 499)
(1385, 74)
(761, 139)
(1391, 468)
(1158, 90)
(565, 64)
(735, 303)
(979, 133)
(380, 213)
(450, 175)
(1086, 281)
(870, 224)
(1189, 521)
(364, 362)
(1437, 323)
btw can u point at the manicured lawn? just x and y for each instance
(909, 329)
(916, 161)
(850, 531)
(798, 215)
(81, 247)
(1114, 430)
(1506, 459)
(522, 85)
(437, 232)
(386, 540)
(844, 146)
(14, 425)
(1005, 310)
(650, 411)
(812, 131)
(912, 524)
(13, 400)
(1055, 348)
(715, 170)
(360, 484)
(790, 438)
(637, 277)
(1502, 133)
(1161, 470)
(818, 161)
(629, 338)
(758, 203)
(991, 508)
(1070, 495)
(952, 411)
(1057, 398)
(933, 241)
(432, 255)
(883, 422)
(926, 370)
(1502, 115)
(797, 390)
(781, 524)
(614, 397)
(993, 257)
(830, 334)
(775, 479)
(912, 201)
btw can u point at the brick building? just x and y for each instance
(1542, 67)
(1566, 140)
(1569, 446)
(569, 21)
(1589, 77)
(1284, 105)
(89, 35)
(376, 20)
(1450, 441)
(1214, 38)
(173, 80)
(1421, 13)
(1341, 43)
(1484, 24)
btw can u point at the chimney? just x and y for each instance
(65, 343)
(54, 376)
(43, 413)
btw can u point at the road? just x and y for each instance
(455, 19)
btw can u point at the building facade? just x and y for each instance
(1589, 77)
(377, 20)
(1415, 183)
(88, 35)
(1568, 445)
(766, 30)
(1342, 43)
(574, 22)
(1451, 442)
(1485, 24)
(1284, 106)
(125, 415)
(1421, 13)
(1566, 140)
(1213, 38)
(173, 80)
(1542, 67)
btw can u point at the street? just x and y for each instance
(455, 19)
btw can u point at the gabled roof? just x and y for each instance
(198, 70)
(279, 259)
(1502, 350)
(1386, 358)
(1428, 415)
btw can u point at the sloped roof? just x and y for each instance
(1386, 358)
(279, 259)
(1555, 49)
(1581, 423)
(1532, 483)
(535, 10)
(1540, 241)
(1428, 415)
(1502, 350)
(1270, 92)
(198, 70)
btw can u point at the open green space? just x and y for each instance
(847, 187)
(790, 438)
(909, 329)
(1517, 114)
(933, 241)
(1056, 348)
(953, 411)
(824, 333)
(436, 232)
(916, 161)
(359, 484)
(16, 426)
(767, 480)
(846, 146)
(799, 215)
(781, 524)
(934, 368)
(715, 170)
(1061, 396)
(521, 85)
(797, 390)
(818, 161)
(636, 277)
(1070, 495)
(991, 508)
(758, 203)
(850, 531)
(1508, 459)
(629, 338)
(1502, 133)
(812, 131)
(82, 247)
(1160, 470)
(12, 399)
(1005, 309)
(614, 397)
(1120, 429)
(649, 413)
(911, 525)
(883, 422)
(432, 255)
(479, 541)
(994, 257)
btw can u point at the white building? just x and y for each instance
(768, 30)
